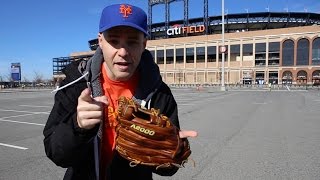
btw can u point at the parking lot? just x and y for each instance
(242, 134)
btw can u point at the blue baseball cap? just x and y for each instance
(123, 15)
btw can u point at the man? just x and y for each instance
(121, 66)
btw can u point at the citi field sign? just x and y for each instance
(178, 29)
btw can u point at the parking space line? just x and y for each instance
(10, 110)
(22, 122)
(13, 146)
(186, 104)
(33, 106)
(259, 103)
(8, 117)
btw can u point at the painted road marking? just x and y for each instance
(22, 122)
(10, 110)
(13, 146)
(33, 106)
(8, 117)
(259, 103)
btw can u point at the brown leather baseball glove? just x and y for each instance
(146, 137)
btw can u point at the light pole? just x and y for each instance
(223, 88)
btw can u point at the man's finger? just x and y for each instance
(186, 134)
(89, 123)
(102, 99)
(85, 95)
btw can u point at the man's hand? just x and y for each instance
(90, 110)
(186, 134)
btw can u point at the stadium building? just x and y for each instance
(266, 47)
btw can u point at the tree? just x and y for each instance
(8, 77)
(25, 79)
(38, 77)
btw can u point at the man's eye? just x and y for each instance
(113, 41)
(132, 42)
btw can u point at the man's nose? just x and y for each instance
(123, 51)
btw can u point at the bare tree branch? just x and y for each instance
(38, 77)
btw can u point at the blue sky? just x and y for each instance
(33, 32)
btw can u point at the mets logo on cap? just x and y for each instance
(125, 10)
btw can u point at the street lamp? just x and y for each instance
(223, 88)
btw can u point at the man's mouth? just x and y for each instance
(122, 65)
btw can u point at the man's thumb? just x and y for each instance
(85, 95)
(186, 134)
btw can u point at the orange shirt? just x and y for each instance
(113, 90)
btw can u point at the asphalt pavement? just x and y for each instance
(256, 134)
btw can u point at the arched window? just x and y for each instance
(303, 52)
(316, 74)
(302, 75)
(316, 51)
(287, 53)
(287, 77)
(316, 78)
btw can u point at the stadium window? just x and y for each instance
(160, 56)
(169, 56)
(162, 75)
(260, 54)
(287, 52)
(287, 77)
(303, 52)
(179, 55)
(274, 47)
(235, 52)
(200, 54)
(225, 57)
(260, 77)
(302, 77)
(212, 53)
(152, 53)
(274, 54)
(273, 77)
(260, 47)
(190, 55)
(316, 51)
(247, 50)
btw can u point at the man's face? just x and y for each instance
(122, 48)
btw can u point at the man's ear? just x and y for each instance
(100, 36)
(145, 43)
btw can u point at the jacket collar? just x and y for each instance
(150, 79)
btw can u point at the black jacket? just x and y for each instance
(69, 146)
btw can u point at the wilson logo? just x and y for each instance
(143, 130)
